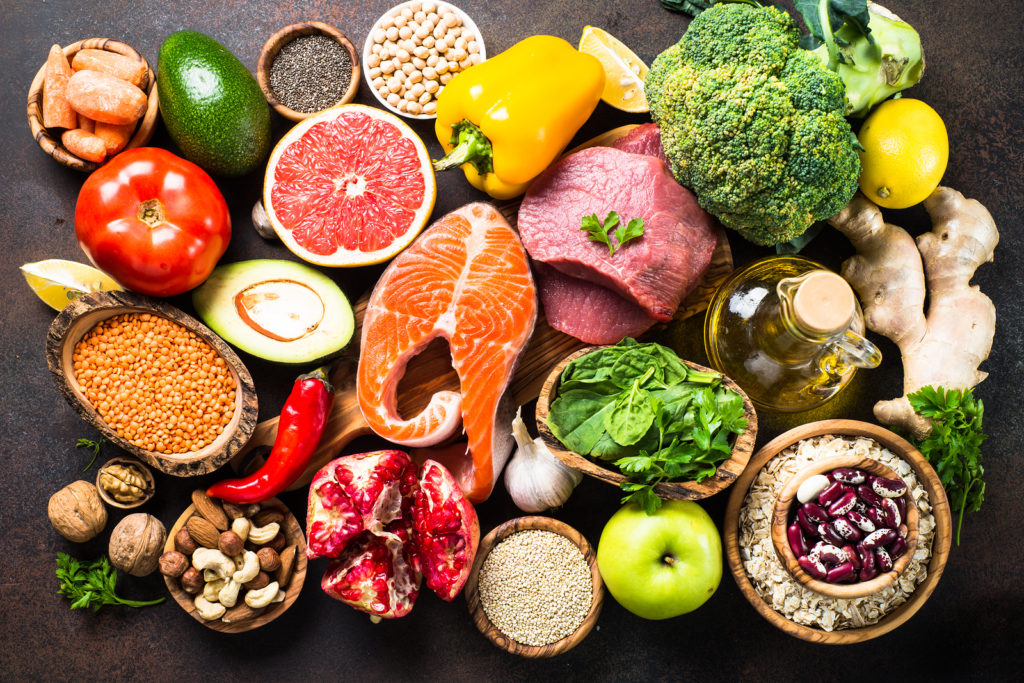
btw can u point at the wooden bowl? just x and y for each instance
(146, 475)
(82, 314)
(478, 614)
(925, 475)
(293, 533)
(50, 141)
(285, 36)
(727, 472)
(784, 508)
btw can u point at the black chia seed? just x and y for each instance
(310, 73)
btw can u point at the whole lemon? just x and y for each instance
(905, 153)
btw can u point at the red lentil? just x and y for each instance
(157, 384)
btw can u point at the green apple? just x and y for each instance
(662, 565)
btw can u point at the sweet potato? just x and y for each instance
(84, 144)
(114, 137)
(104, 61)
(105, 98)
(57, 111)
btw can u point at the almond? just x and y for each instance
(210, 509)
(284, 572)
(240, 612)
(202, 531)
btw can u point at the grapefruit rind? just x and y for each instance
(351, 257)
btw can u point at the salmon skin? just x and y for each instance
(465, 279)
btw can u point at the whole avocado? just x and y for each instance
(212, 106)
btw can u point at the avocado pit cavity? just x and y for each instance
(283, 310)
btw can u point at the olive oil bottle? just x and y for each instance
(789, 332)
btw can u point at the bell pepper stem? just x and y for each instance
(470, 146)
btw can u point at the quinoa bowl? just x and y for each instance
(771, 589)
(200, 400)
(540, 546)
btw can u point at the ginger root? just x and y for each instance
(892, 275)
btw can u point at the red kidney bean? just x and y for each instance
(897, 548)
(831, 492)
(881, 537)
(878, 517)
(865, 493)
(851, 555)
(861, 507)
(871, 479)
(843, 505)
(888, 488)
(860, 521)
(883, 559)
(841, 573)
(867, 557)
(815, 512)
(848, 475)
(891, 513)
(815, 569)
(830, 477)
(808, 525)
(828, 554)
(868, 573)
(829, 534)
(901, 503)
(846, 529)
(796, 539)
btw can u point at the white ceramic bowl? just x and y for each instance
(467, 24)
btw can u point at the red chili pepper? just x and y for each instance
(302, 424)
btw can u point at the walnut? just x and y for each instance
(77, 512)
(136, 543)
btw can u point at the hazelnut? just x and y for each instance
(269, 559)
(173, 564)
(183, 542)
(77, 512)
(135, 544)
(278, 542)
(192, 581)
(230, 543)
(262, 580)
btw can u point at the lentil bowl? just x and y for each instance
(519, 567)
(153, 380)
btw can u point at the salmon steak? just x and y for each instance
(466, 279)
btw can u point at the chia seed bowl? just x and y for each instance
(301, 72)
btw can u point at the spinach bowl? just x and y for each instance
(638, 416)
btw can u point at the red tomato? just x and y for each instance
(154, 221)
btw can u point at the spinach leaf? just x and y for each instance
(631, 416)
(576, 418)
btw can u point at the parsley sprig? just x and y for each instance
(93, 446)
(954, 445)
(92, 584)
(601, 231)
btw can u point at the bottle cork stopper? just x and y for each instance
(824, 303)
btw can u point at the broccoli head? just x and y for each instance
(753, 124)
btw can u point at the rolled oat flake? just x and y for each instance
(310, 73)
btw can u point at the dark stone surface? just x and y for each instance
(970, 628)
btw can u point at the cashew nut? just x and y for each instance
(279, 597)
(209, 610)
(239, 561)
(249, 569)
(211, 591)
(264, 534)
(211, 558)
(241, 527)
(263, 596)
(229, 593)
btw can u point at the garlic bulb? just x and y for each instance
(535, 478)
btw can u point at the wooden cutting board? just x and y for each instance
(432, 371)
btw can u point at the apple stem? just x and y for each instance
(669, 560)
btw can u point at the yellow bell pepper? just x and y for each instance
(505, 120)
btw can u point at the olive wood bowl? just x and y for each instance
(940, 542)
(491, 631)
(50, 140)
(82, 314)
(293, 533)
(147, 475)
(785, 507)
(285, 36)
(727, 471)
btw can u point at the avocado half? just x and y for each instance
(281, 311)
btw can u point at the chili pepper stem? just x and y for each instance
(471, 147)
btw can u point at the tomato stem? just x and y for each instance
(151, 212)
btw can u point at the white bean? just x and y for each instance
(419, 51)
(377, 83)
(445, 78)
(431, 86)
(407, 13)
(475, 58)
(430, 73)
(460, 54)
(387, 22)
(394, 99)
(391, 33)
(413, 108)
(408, 68)
(439, 31)
(428, 41)
(415, 77)
(402, 55)
(405, 32)
(441, 45)
(373, 61)
(418, 63)
(402, 105)
(419, 15)
(394, 83)
(472, 47)
(387, 68)
(383, 91)
(430, 108)
(374, 73)
(442, 66)
(417, 89)
(425, 97)
(379, 35)
(460, 43)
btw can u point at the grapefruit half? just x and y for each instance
(351, 186)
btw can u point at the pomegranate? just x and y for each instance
(387, 529)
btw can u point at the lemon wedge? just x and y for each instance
(57, 281)
(624, 71)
